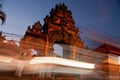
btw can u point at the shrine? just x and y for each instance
(58, 28)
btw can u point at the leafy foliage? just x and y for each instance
(2, 15)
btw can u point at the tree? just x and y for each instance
(2, 15)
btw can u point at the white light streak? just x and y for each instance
(5, 59)
(61, 61)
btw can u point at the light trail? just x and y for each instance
(6, 59)
(61, 61)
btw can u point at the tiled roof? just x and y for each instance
(107, 48)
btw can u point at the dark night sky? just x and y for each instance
(101, 16)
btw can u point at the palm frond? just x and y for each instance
(2, 16)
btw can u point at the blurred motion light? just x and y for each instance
(61, 61)
(5, 59)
